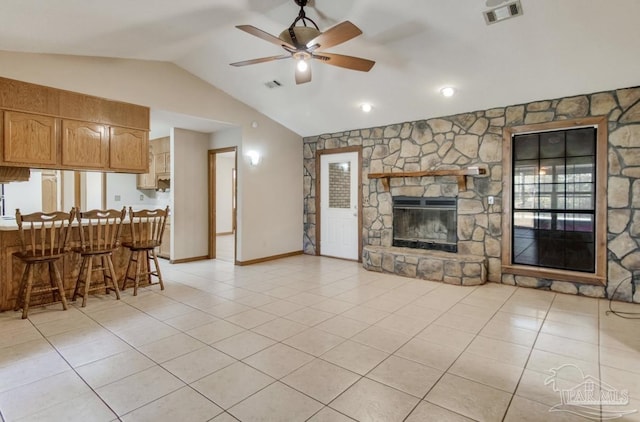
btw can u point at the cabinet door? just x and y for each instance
(30, 139)
(160, 163)
(167, 162)
(128, 150)
(84, 145)
(148, 180)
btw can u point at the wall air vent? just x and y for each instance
(272, 84)
(497, 14)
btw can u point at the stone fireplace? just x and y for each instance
(425, 223)
(475, 139)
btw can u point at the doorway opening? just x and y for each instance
(223, 204)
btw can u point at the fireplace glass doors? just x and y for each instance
(425, 223)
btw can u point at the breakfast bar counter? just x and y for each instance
(11, 268)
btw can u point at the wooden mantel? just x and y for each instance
(461, 174)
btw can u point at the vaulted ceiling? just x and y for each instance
(556, 48)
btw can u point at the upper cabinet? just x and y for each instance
(44, 127)
(159, 165)
(30, 139)
(128, 150)
(162, 155)
(85, 145)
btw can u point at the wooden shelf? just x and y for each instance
(461, 174)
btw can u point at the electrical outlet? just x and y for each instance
(490, 200)
(116, 198)
(141, 197)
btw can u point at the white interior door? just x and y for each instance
(339, 205)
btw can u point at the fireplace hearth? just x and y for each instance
(425, 223)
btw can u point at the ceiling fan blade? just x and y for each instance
(348, 62)
(335, 35)
(261, 60)
(303, 77)
(250, 29)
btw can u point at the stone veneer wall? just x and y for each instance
(475, 139)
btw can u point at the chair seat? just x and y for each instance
(30, 256)
(141, 245)
(87, 251)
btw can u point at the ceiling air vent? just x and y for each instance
(503, 12)
(272, 84)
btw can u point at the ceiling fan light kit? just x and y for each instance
(304, 43)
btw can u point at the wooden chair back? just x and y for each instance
(147, 226)
(44, 234)
(100, 229)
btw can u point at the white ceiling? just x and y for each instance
(557, 48)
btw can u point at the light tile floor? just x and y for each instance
(317, 339)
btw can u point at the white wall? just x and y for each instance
(190, 188)
(224, 193)
(269, 195)
(93, 191)
(24, 195)
(68, 189)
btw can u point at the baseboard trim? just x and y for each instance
(268, 258)
(183, 260)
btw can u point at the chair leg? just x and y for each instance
(81, 277)
(27, 294)
(126, 273)
(21, 290)
(52, 283)
(136, 281)
(87, 281)
(112, 275)
(158, 273)
(58, 278)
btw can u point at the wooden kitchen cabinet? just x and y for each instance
(128, 150)
(50, 128)
(162, 162)
(29, 140)
(85, 145)
(159, 165)
(162, 154)
(148, 180)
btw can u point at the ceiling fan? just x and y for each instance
(305, 42)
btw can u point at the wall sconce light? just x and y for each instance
(254, 158)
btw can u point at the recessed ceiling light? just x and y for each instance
(448, 91)
(366, 107)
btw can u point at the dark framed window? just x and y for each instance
(554, 223)
(553, 191)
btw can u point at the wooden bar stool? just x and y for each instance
(147, 227)
(45, 240)
(99, 237)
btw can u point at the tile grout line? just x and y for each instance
(76, 372)
(461, 353)
(529, 357)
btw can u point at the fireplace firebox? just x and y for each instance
(425, 223)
